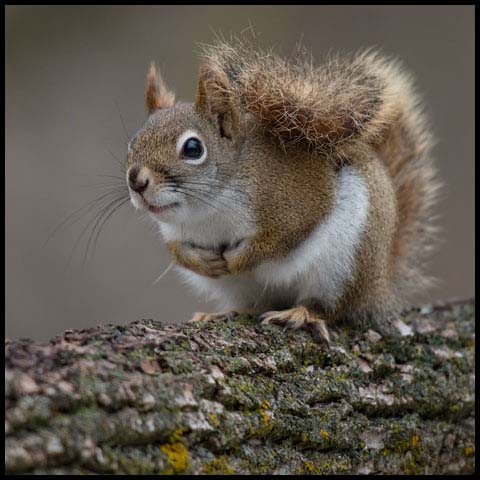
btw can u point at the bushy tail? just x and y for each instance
(345, 108)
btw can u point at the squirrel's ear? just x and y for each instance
(216, 100)
(156, 94)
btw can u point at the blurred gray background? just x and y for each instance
(71, 72)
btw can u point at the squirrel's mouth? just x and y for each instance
(159, 208)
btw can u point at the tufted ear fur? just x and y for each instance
(157, 94)
(215, 99)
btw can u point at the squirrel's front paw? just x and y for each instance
(200, 260)
(237, 258)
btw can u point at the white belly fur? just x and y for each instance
(318, 269)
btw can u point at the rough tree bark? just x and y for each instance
(238, 397)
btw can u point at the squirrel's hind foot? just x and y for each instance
(209, 317)
(299, 318)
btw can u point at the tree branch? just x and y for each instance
(238, 397)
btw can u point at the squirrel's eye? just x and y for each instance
(192, 149)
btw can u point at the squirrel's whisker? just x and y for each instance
(118, 161)
(104, 185)
(195, 197)
(100, 213)
(211, 197)
(104, 221)
(99, 222)
(116, 177)
(127, 136)
(163, 273)
(216, 184)
(83, 211)
(191, 193)
(221, 189)
(214, 194)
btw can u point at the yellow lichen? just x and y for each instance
(325, 467)
(325, 434)
(309, 466)
(265, 417)
(469, 451)
(176, 452)
(218, 465)
(177, 456)
(214, 419)
(415, 440)
(176, 436)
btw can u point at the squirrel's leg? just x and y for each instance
(299, 317)
(228, 314)
(203, 261)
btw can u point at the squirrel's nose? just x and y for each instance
(136, 184)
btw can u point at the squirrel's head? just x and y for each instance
(183, 155)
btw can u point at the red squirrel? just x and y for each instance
(301, 193)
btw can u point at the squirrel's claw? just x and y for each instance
(208, 317)
(299, 318)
